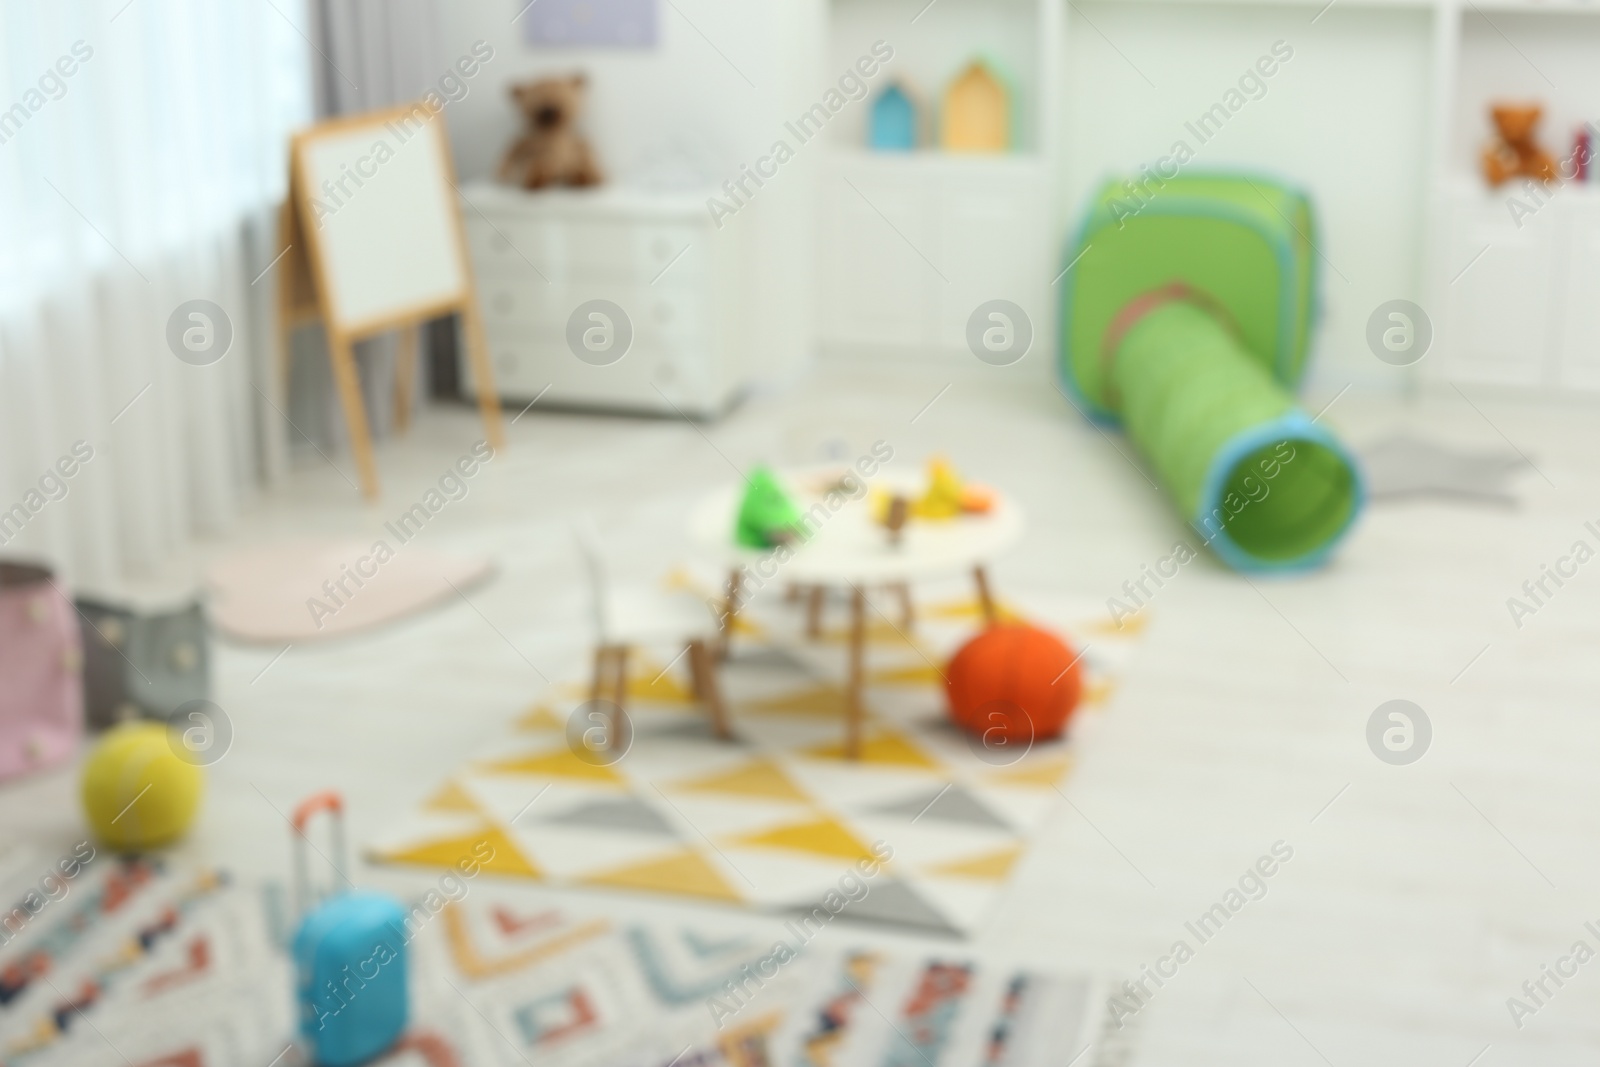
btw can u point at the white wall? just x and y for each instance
(1347, 119)
(680, 114)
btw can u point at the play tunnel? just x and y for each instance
(1186, 320)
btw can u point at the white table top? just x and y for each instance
(847, 545)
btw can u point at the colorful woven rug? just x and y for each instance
(144, 965)
(773, 820)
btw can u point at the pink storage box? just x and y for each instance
(41, 663)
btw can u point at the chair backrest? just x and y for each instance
(594, 568)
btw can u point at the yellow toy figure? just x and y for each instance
(943, 498)
(947, 496)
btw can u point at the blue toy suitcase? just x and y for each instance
(349, 958)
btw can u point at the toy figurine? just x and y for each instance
(768, 515)
(1516, 153)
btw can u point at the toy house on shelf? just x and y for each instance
(977, 112)
(893, 124)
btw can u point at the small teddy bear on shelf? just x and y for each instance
(550, 150)
(1516, 153)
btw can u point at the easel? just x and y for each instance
(305, 295)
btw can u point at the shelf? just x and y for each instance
(932, 161)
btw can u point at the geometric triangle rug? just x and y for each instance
(922, 832)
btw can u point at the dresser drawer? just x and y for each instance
(647, 378)
(507, 246)
(521, 304)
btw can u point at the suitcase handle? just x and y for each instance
(333, 804)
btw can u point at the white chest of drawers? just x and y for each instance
(682, 285)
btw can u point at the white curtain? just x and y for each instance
(142, 156)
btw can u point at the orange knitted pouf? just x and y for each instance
(1013, 683)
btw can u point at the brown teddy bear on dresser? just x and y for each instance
(1516, 153)
(550, 151)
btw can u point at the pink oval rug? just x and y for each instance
(310, 590)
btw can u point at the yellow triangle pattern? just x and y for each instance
(970, 609)
(450, 797)
(758, 778)
(540, 717)
(820, 701)
(1042, 773)
(647, 680)
(988, 867)
(916, 674)
(883, 747)
(820, 837)
(1128, 626)
(505, 857)
(685, 872)
(556, 763)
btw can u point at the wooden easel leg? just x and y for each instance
(483, 373)
(405, 373)
(858, 641)
(355, 413)
(703, 667)
(287, 318)
(985, 597)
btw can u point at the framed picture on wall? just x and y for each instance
(590, 23)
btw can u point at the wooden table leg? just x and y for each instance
(814, 603)
(985, 598)
(602, 666)
(858, 641)
(908, 614)
(730, 611)
(619, 694)
(703, 669)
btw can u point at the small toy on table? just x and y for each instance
(947, 496)
(768, 515)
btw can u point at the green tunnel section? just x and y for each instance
(1262, 484)
(1187, 320)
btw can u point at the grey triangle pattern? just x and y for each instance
(951, 804)
(696, 728)
(894, 903)
(628, 814)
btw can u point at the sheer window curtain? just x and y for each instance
(142, 156)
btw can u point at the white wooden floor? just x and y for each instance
(1418, 898)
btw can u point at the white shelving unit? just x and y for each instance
(1514, 296)
(914, 242)
(1381, 116)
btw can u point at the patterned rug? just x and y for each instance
(773, 820)
(150, 966)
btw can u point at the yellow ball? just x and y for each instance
(137, 792)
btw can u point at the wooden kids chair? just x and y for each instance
(628, 617)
